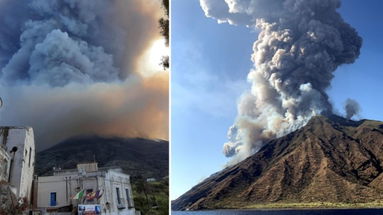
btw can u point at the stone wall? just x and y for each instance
(4, 164)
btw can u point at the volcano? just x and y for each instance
(139, 157)
(330, 159)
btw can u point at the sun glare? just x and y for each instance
(151, 61)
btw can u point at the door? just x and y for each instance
(53, 199)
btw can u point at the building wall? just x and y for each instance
(63, 186)
(23, 160)
(72, 182)
(114, 180)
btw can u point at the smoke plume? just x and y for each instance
(72, 67)
(300, 45)
(352, 108)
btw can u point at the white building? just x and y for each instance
(55, 193)
(18, 159)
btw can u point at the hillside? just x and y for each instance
(331, 159)
(137, 156)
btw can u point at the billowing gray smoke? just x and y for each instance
(352, 108)
(300, 44)
(72, 67)
(62, 41)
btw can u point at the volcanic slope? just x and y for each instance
(331, 159)
(138, 157)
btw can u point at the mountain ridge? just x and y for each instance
(329, 159)
(138, 157)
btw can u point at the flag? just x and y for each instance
(99, 194)
(90, 195)
(79, 195)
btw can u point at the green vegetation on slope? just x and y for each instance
(151, 197)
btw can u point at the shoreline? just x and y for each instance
(278, 209)
(299, 206)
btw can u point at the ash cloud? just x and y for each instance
(71, 67)
(352, 108)
(300, 45)
(74, 41)
(135, 108)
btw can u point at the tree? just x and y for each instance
(164, 26)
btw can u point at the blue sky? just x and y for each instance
(210, 63)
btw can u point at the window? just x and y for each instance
(118, 195)
(128, 199)
(53, 199)
(30, 155)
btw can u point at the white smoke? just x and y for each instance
(300, 44)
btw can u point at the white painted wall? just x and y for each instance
(113, 180)
(23, 161)
(63, 186)
(106, 180)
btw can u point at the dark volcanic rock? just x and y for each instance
(331, 159)
(139, 157)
